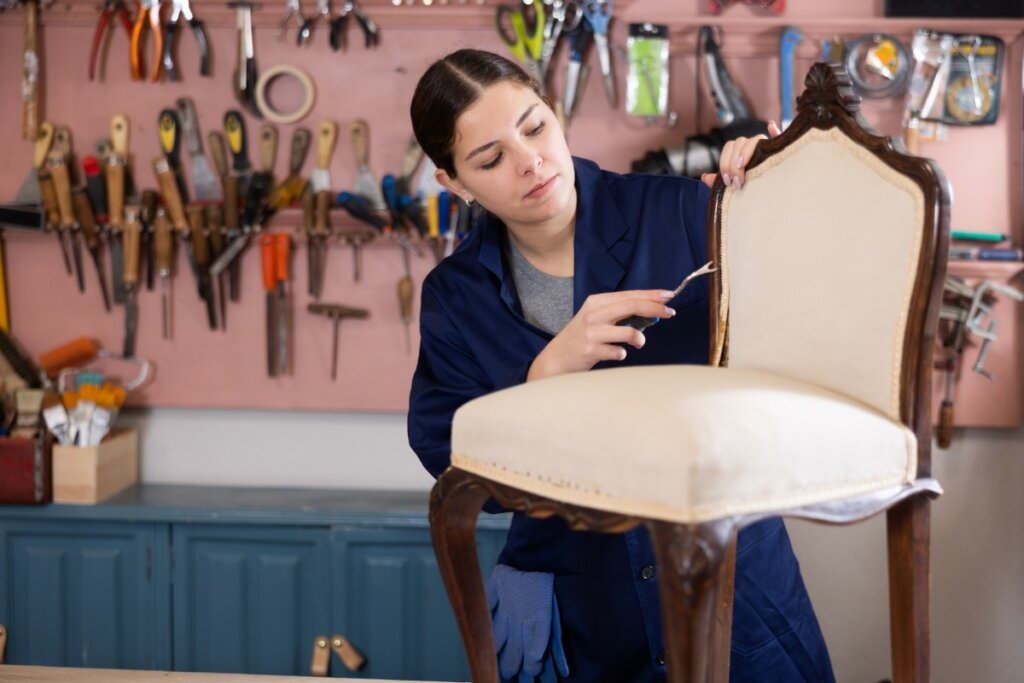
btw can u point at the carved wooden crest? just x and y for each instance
(827, 88)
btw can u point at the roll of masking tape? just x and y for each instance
(284, 70)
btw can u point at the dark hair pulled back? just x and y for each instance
(449, 87)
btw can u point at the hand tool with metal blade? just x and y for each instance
(130, 276)
(163, 250)
(48, 198)
(282, 255)
(115, 173)
(293, 187)
(267, 264)
(245, 70)
(203, 181)
(410, 160)
(176, 211)
(254, 202)
(313, 244)
(218, 152)
(147, 214)
(268, 149)
(356, 239)
(320, 179)
(96, 188)
(201, 248)
(90, 235)
(405, 300)
(29, 190)
(366, 184)
(336, 313)
(57, 163)
(215, 224)
(170, 131)
(641, 323)
(234, 131)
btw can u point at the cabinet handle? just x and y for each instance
(321, 657)
(350, 656)
(3, 642)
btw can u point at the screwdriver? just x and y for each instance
(163, 246)
(336, 312)
(282, 251)
(269, 286)
(130, 276)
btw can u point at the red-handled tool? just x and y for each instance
(282, 252)
(269, 286)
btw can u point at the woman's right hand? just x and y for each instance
(593, 336)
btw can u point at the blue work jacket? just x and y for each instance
(632, 232)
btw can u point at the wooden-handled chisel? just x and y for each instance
(130, 276)
(163, 252)
(90, 235)
(60, 173)
(201, 249)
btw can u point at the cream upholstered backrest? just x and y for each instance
(819, 257)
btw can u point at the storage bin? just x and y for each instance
(94, 473)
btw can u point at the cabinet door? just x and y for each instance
(249, 599)
(86, 594)
(390, 602)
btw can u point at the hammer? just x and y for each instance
(31, 69)
(336, 312)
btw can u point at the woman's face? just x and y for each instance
(511, 156)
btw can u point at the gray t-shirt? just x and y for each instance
(546, 299)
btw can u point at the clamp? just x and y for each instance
(149, 11)
(181, 8)
(110, 7)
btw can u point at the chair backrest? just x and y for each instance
(831, 257)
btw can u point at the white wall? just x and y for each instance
(977, 530)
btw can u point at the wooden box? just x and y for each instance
(25, 469)
(95, 473)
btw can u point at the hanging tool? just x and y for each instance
(245, 70)
(215, 224)
(268, 263)
(599, 13)
(59, 171)
(788, 43)
(176, 212)
(575, 72)
(130, 277)
(405, 300)
(251, 223)
(268, 149)
(236, 186)
(31, 71)
(316, 247)
(115, 181)
(320, 178)
(199, 239)
(48, 197)
(282, 254)
(149, 13)
(29, 190)
(292, 11)
(163, 250)
(203, 181)
(323, 11)
(96, 188)
(147, 213)
(110, 8)
(169, 128)
(90, 235)
(234, 129)
(371, 35)
(293, 187)
(526, 38)
(181, 8)
(336, 313)
(562, 16)
(366, 184)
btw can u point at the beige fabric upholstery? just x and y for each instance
(799, 302)
(681, 443)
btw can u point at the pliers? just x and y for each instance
(181, 8)
(110, 7)
(370, 31)
(149, 11)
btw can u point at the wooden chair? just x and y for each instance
(816, 403)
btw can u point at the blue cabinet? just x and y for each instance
(248, 579)
(85, 594)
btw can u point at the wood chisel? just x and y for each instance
(130, 277)
(336, 313)
(48, 198)
(57, 165)
(169, 128)
(226, 226)
(215, 226)
(320, 178)
(147, 214)
(90, 235)
(29, 190)
(366, 184)
(203, 181)
(163, 251)
(313, 244)
(115, 174)
(176, 213)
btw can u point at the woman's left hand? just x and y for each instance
(736, 155)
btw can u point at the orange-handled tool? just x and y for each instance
(267, 262)
(282, 252)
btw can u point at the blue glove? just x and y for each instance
(527, 627)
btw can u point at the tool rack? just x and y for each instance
(204, 368)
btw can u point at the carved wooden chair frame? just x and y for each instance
(698, 561)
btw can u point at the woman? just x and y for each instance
(564, 252)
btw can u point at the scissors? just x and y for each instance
(526, 41)
(562, 16)
(598, 13)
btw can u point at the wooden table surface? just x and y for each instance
(53, 674)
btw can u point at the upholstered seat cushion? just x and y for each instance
(681, 443)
